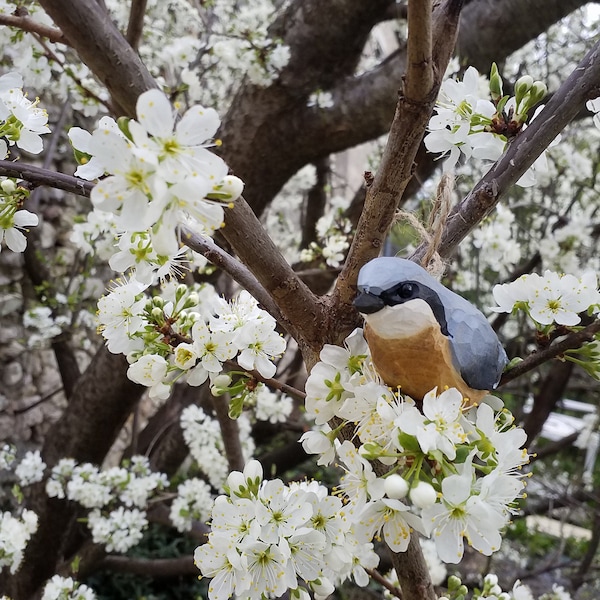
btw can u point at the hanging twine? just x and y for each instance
(432, 234)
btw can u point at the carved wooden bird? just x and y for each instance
(422, 335)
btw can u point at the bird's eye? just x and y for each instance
(407, 290)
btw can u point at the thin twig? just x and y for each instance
(28, 24)
(39, 176)
(375, 575)
(230, 433)
(571, 341)
(276, 384)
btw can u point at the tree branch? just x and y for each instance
(275, 384)
(230, 433)
(107, 53)
(419, 70)
(573, 340)
(396, 168)
(40, 176)
(31, 26)
(135, 26)
(413, 573)
(302, 312)
(581, 85)
(157, 567)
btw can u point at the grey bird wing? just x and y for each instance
(476, 348)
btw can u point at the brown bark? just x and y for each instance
(105, 51)
(492, 19)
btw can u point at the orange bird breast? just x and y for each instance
(418, 363)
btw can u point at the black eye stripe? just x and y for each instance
(400, 293)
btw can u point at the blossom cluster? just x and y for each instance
(65, 588)
(239, 42)
(333, 238)
(492, 591)
(193, 503)
(202, 434)
(15, 533)
(268, 537)
(21, 124)
(555, 302)
(478, 122)
(21, 121)
(551, 298)
(452, 470)
(160, 175)
(117, 497)
(186, 334)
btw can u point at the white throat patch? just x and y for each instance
(402, 320)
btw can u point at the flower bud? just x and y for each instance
(192, 300)
(8, 186)
(538, 91)
(395, 486)
(322, 588)
(228, 190)
(522, 87)
(253, 472)
(423, 495)
(220, 384)
(236, 482)
(495, 83)
(523, 84)
(180, 291)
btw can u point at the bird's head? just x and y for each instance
(394, 292)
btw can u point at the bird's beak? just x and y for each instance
(367, 303)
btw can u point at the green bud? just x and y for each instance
(454, 583)
(157, 312)
(522, 88)
(192, 300)
(180, 291)
(495, 83)
(538, 91)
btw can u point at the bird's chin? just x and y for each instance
(402, 320)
